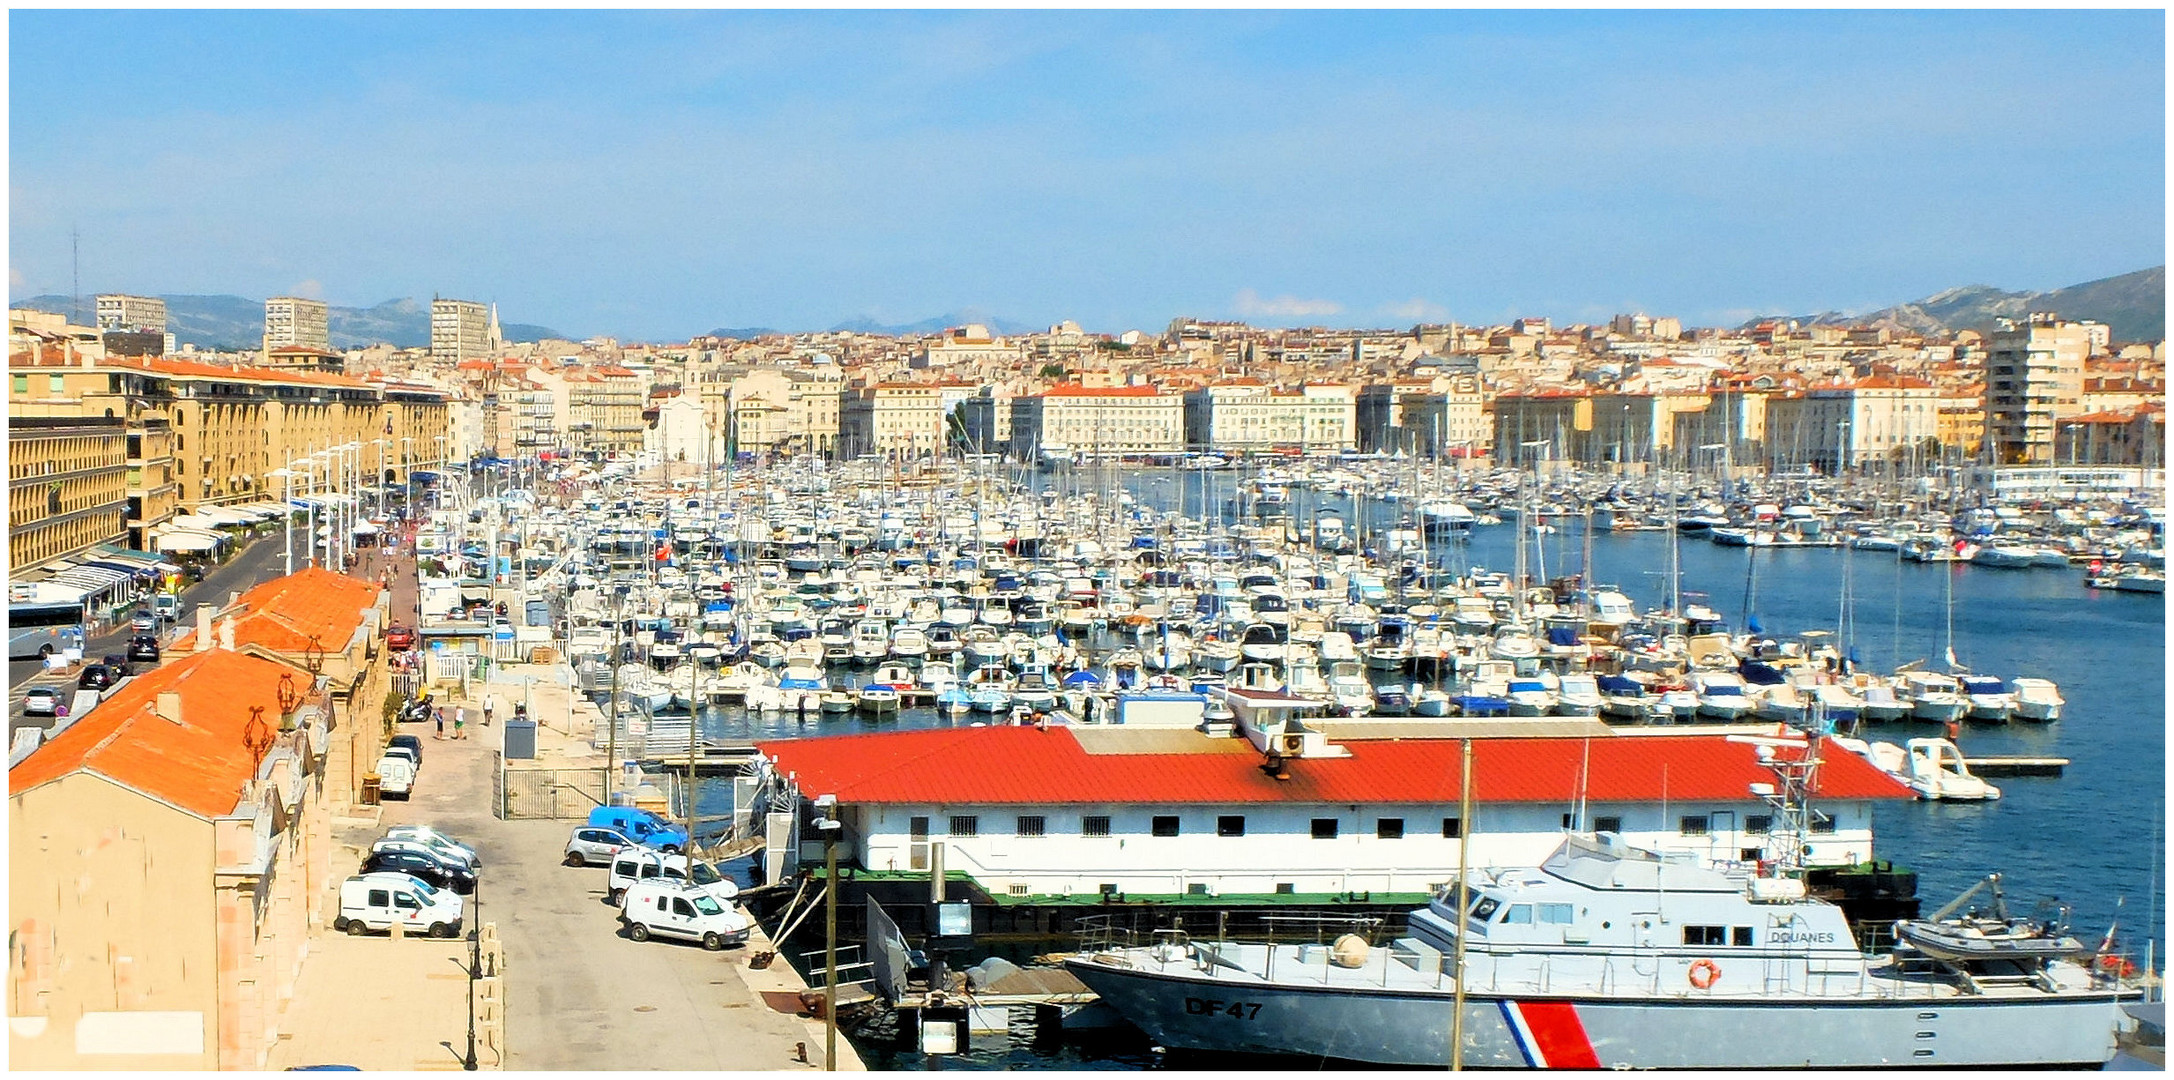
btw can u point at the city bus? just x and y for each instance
(41, 630)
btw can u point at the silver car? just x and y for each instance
(426, 834)
(594, 845)
(438, 853)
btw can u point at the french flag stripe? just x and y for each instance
(1556, 1035)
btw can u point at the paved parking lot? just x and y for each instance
(579, 993)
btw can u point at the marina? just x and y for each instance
(1151, 625)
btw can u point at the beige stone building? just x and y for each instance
(226, 430)
(169, 857)
(1855, 425)
(1097, 420)
(893, 419)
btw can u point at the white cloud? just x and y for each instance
(15, 280)
(1251, 305)
(1416, 309)
(310, 289)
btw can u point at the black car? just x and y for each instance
(144, 648)
(422, 866)
(96, 677)
(121, 666)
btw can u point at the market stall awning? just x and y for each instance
(187, 540)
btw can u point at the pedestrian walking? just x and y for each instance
(439, 715)
(487, 710)
(460, 722)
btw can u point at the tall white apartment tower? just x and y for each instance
(145, 314)
(296, 322)
(459, 330)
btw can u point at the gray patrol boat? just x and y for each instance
(1608, 956)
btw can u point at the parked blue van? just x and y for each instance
(640, 826)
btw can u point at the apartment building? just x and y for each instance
(892, 419)
(605, 409)
(67, 487)
(172, 854)
(131, 314)
(786, 411)
(1446, 415)
(1244, 414)
(1854, 424)
(1097, 420)
(2033, 379)
(296, 322)
(2134, 436)
(1959, 420)
(462, 330)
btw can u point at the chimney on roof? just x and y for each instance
(226, 633)
(203, 627)
(233, 599)
(168, 706)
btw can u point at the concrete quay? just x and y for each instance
(579, 993)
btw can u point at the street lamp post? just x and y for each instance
(286, 492)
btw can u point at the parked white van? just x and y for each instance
(668, 908)
(396, 775)
(375, 901)
(634, 865)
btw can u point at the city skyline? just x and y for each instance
(659, 175)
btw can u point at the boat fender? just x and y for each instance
(1704, 974)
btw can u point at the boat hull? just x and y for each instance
(1411, 1028)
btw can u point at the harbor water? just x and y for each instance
(2088, 839)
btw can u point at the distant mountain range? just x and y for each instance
(2133, 307)
(868, 325)
(235, 322)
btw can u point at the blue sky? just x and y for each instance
(654, 175)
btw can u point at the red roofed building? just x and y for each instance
(170, 855)
(1170, 811)
(325, 621)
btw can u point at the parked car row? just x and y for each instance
(659, 891)
(414, 876)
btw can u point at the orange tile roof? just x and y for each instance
(198, 765)
(193, 369)
(286, 613)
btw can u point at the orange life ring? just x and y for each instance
(1705, 973)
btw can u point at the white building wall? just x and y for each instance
(1279, 848)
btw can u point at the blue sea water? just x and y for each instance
(2093, 838)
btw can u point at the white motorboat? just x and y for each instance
(1512, 641)
(1933, 768)
(1934, 698)
(1530, 697)
(1578, 694)
(2037, 699)
(1721, 695)
(1989, 698)
(1349, 691)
